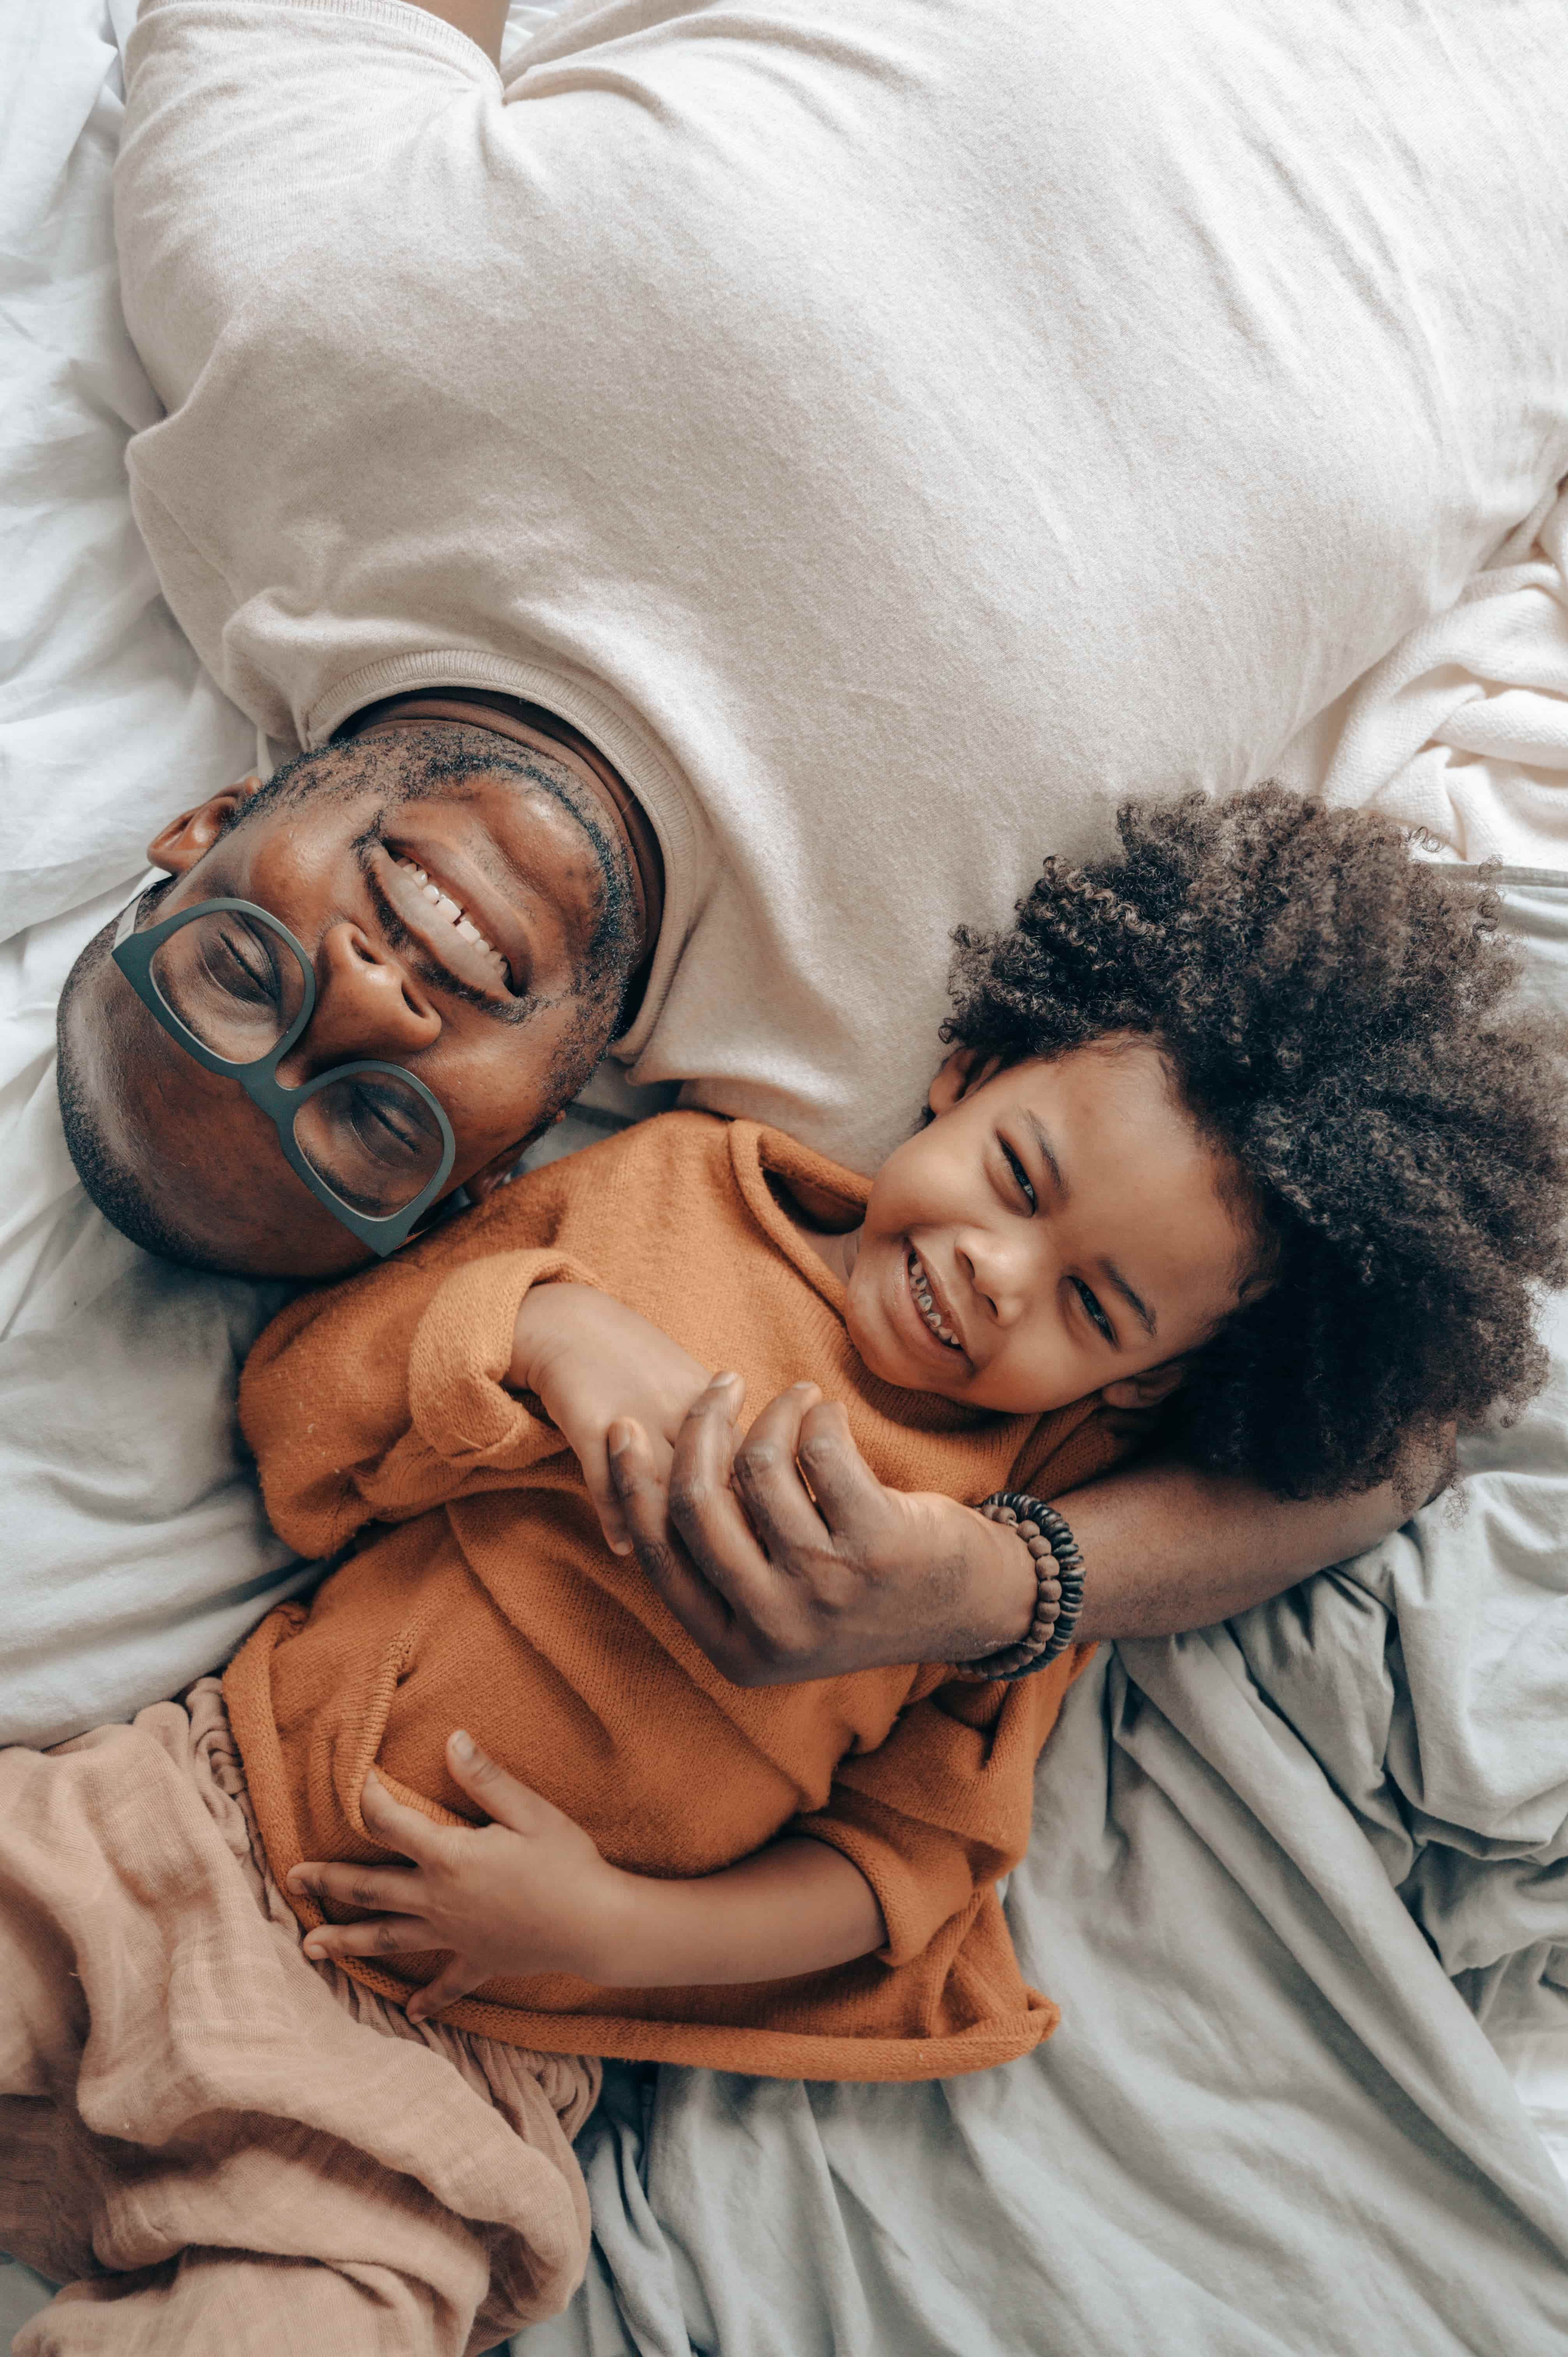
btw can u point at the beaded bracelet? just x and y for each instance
(1059, 1569)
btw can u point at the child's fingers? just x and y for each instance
(644, 1492)
(500, 1795)
(601, 1484)
(399, 1826)
(379, 1889)
(456, 1979)
(384, 1935)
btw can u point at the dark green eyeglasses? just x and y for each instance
(233, 988)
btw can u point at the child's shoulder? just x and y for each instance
(671, 1156)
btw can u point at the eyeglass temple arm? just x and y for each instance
(128, 916)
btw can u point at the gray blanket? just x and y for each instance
(1298, 1884)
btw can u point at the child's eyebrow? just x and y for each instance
(1113, 1276)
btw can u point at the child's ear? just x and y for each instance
(965, 1070)
(1147, 1390)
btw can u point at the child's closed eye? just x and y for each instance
(1021, 1177)
(1093, 1312)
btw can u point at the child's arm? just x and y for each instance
(376, 1400)
(530, 1893)
(844, 1575)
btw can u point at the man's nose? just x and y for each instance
(367, 1004)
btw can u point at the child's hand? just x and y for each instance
(527, 1893)
(589, 1359)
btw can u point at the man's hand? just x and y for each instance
(590, 1361)
(785, 1558)
(484, 21)
(778, 1581)
(527, 1893)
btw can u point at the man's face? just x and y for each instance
(502, 1029)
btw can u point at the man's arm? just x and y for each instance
(780, 1577)
(484, 21)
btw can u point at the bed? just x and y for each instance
(1298, 1882)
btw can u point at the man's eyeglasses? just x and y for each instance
(231, 987)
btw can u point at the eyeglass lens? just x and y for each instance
(231, 982)
(372, 1138)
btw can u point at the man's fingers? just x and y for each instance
(777, 1504)
(703, 1506)
(384, 1935)
(848, 1494)
(379, 1889)
(456, 1979)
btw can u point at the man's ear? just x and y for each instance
(499, 1168)
(965, 1070)
(177, 847)
(1147, 1390)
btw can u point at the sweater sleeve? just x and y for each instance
(253, 126)
(384, 1397)
(943, 1806)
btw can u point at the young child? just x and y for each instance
(1238, 1122)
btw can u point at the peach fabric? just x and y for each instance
(213, 2144)
(487, 1599)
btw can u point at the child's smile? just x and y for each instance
(928, 1299)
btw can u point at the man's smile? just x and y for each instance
(467, 927)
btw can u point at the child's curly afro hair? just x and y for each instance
(1333, 1014)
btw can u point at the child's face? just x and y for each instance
(1069, 1227)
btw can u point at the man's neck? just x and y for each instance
(527, 724)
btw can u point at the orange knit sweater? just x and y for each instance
(483, 1596)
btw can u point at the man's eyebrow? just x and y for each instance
(1113, 1276)
(1048, 1151)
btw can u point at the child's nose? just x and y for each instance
(1003, 1271)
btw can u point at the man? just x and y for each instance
(739, 498)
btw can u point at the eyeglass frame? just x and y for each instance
(134, 951)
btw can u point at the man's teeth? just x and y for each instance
(452, 911)
(919, 1286)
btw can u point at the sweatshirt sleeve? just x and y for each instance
(258, 132)
(943, 1806)
(384, 1397)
